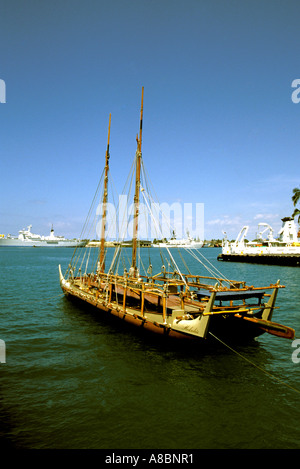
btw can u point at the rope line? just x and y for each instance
(253, 364)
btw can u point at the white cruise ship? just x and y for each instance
(187, 243)
(28, 239)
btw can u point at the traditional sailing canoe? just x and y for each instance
(171, 303)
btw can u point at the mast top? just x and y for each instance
(141, 122)
(104, 204)
(137, 190)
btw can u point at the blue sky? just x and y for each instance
(220, 127)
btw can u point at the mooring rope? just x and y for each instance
(253, 364)
(215, 337)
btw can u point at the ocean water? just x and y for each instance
(75, 380)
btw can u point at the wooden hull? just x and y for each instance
(169, 316)
(130, 317)
(230, 329)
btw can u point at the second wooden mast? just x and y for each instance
(104, 205)
(137, 191)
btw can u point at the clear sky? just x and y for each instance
(220, 127)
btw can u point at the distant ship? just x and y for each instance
(188, 243)
(284, 250)
(28, 239)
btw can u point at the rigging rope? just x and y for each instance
(209, 267)
(213, 270)
(184, 263)
(87, 219)
(173, 260)
(253, 364)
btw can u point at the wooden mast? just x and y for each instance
(104, 205)
(137, 190)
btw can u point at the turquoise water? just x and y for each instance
(74, 380)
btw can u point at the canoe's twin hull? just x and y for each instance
(175, 322)
(229, 328)
(131, 318)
